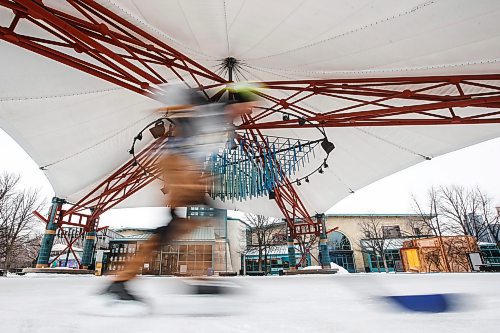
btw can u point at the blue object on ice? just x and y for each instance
(433, 303)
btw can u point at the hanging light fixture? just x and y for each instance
(158, 130)
(272, 195)
(327, 146)
(321, 170)
(298, 182)
(325, 165)
(307, 179)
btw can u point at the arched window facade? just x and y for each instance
(338, 241)
(340, 250)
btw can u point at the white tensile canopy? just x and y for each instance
(79, 128)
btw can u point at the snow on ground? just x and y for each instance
(327, 303)
(341, 270)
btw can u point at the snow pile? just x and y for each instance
(341, 270)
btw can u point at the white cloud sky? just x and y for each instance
(477, 165)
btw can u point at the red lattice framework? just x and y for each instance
(124, 182)
(91, 38)
(76, 220)
(285, 196)
(398, 101)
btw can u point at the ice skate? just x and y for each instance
(203, 297)
(118, 290)
(211, 286)
(116, 301)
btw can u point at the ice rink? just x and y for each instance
(333, 303)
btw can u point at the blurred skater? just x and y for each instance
(200, 129)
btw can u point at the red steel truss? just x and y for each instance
(127, 180)
(91, 38)
(285, 195)
(398, 101)
(124, 182)
(97, 41)
(93, 32)
(81, 221)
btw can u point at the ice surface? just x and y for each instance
(327, 303)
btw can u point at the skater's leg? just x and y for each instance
(118, 287)
(133, 266)
(185, 187)
(183, 181)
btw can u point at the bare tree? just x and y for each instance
(435, 225)
(454, 204)
(471, 212)
(265, 234)
(376, 241)
(457, 211)
(433, 257)
(8, 182)
(430, 221)
(19, 235)
(456, 249)
(490, 215)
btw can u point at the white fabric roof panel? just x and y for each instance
(323, 37)
(80, 127)
(80, 131)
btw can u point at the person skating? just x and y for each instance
(200, 129)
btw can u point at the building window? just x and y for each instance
(338, 241)
(340, 251)
(377, 262)
(391, 231)
(491, 254)
(197, 258)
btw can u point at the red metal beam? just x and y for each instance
(426, 100)
(124, 182)
(103, 44)
(41, 217)
(69, 246)
(286, 197)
